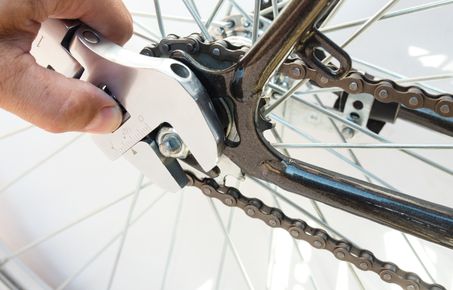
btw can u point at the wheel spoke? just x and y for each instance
(224, 251)
(241, 10)
(38, 164)
(274, 8)
(354, 36)
(172, 241)
(365, 26)
(389, 15)
(16, 132)
(115, 238)
(231, 245)
(192, 10)
(214, 13)
(361, 146)
(51, 235)
(363, 130)
(256, 21)
(333, 13)
(331, 151)
(153, 36)
(125, 231)
(426, 78)
(160, 21)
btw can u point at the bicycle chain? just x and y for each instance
(354, 83)
(318, 238)
(385, 90)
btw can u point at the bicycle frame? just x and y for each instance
(296, 26)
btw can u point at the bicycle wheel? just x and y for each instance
(73, 230)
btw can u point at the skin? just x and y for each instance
(41, 96)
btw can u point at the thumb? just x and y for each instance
(56, 103)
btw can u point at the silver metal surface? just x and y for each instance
(49, 51)
(152, 91)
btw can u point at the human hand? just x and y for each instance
(44, 97)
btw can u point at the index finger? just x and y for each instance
(110, 17)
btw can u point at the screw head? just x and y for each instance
(445, 109)
(387, 277)
(413, 101)
(91, 37)
(411, 287)
(353, 86)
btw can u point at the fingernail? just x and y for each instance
(107, 120)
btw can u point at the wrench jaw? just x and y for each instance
(153, 92)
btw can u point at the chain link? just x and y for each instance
(385, 91)
(318, 238)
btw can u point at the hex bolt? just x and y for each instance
(90, 36)
(384, 94)
(413, 101)
(171, 145)
(353, 86)
(445, 109)
(216, 51)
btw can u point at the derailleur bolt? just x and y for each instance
(171, 145)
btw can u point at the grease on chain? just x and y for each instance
(318, 238)
(385, 91)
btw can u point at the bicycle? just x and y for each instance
(241, 73)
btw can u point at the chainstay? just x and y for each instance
(318, 238)
(385, 90)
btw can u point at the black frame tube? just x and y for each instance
(257, 158)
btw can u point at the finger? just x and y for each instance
(109, 17)
(56, 103)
